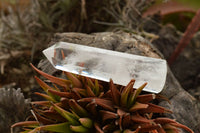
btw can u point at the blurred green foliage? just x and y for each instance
(179, 20)
(193, 3)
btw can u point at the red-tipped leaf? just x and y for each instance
(58, 81)
(114, 93)
(138, 106)
(75, 81)
(108, 115)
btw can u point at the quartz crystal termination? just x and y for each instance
(104, 64)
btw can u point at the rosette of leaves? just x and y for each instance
(79, 104)
(13, 108)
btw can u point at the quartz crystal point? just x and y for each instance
(104, 64)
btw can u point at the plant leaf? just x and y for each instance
(80, 91)
(75, 81)
(79, 129)
(58, 128)
(26, 124)
(149, 127)
(61, 94)
(43, 120)
(86, 122)
(107, 104)
(138, 106)
(69, 116)
(77, 108)
(125, 93)
(139, 90)
(90, 92)
(164, 120)
(108, 115)
(140, 119)
(97, 88)
(44, 86)
(181, 126)
(114, 93)
(58, 81)
(155, 109)
(145, 98)
(49, 98)
(98, 128)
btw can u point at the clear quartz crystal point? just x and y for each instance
(104, 64)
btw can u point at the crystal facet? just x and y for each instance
(104, 64)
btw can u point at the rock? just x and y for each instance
(191, 59)
(167, 41)
(185, 107)
(187, 74)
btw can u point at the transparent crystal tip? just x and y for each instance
(104, 64)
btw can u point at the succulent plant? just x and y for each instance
(79, 104)
(13, 108)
